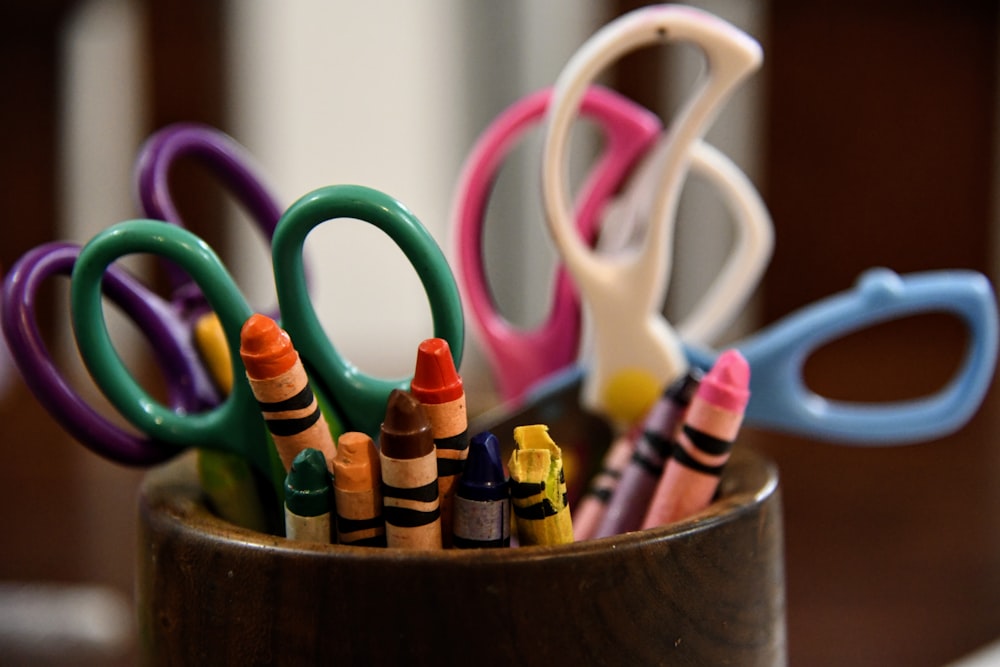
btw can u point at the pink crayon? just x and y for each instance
(589, 512)
(691, 476)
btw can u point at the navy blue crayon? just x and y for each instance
(482, 498)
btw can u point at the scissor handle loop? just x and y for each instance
(216, 150)
(625, 293)
(752, 242)
(519, 357)
(187, 386)
(235, 425)
(780, 399)
(358, 398)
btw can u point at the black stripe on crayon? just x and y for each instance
(345, 525)
(535, 512)
(660, 445)
(708, 443)
(681, 456)
(602, 494)
(373, 541)
(459, 442)
(466, 543)
(301, 400)
(424, 494)
(450, 467)
(526, 489)
(287, 427)
(651, 467)
(404, 517)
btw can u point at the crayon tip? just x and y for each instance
(355, 459)
(727, 383)
(406, 431)
(436, 380)
(682, 390)
(307, 486)
(265, 348)
(483, 478)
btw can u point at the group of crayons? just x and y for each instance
(428, 485)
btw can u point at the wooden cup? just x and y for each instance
(707, 591)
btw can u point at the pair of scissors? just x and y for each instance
(168, 325)
(637, 350)
(235, 425)
(518, 357)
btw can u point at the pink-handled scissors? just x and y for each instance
(608, 213)
(520, 357)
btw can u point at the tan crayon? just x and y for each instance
(280, 385)
(691, 476)
(410, 502)
(357, 486)
(538, 488)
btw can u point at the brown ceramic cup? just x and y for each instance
(706, 591)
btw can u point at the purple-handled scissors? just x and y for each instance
(519, 357)
(167, 325)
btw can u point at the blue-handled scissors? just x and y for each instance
(168, 325)
(624, 293)
(236, 425)
(780, 399)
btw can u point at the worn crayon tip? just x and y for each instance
(406, 430)
(682, 390)
(727, 383)
(483, 478)
(435, 379)
(356, 462)
(307, 485)
(265, 348)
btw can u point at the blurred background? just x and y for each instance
(870, 132)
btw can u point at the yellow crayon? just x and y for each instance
(227, 478)
(538, 488)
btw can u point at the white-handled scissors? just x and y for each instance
(636, 352)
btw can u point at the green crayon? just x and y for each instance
(308, 497)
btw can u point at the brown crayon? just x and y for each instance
(280, 385)
(410, 502)
(357, 480)
(438, 386)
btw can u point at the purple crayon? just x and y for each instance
(482, 498)
(628, 504)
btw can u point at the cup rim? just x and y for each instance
(170, 496)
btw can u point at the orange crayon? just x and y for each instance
(438, 386)
(280, 385)
(691, 476)
(357, 480)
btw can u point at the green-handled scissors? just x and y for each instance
(236, 425)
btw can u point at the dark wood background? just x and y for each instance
(879, 151)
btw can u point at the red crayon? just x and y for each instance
(438, 386)
(713, 420)
(281, 387)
